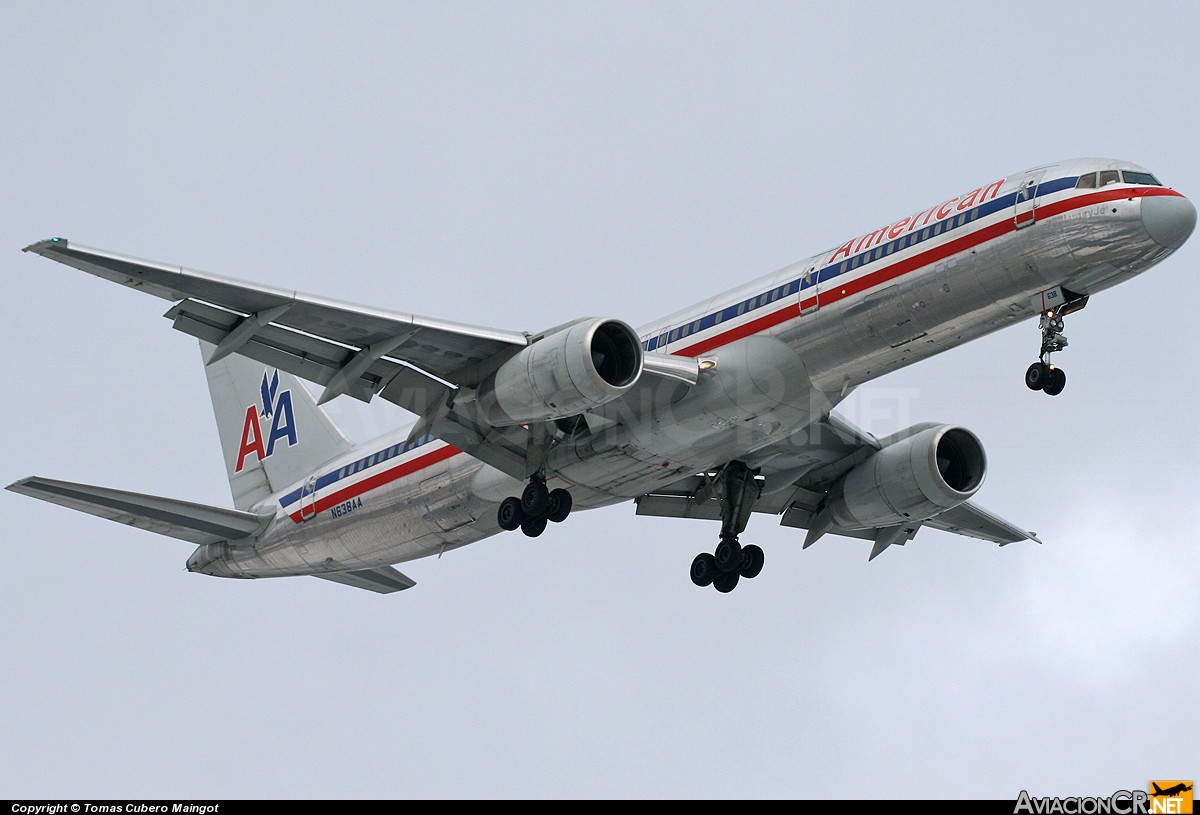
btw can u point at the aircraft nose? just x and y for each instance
(1169, 219)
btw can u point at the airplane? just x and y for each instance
(718, 411)
(1170, 791)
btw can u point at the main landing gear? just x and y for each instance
(731, 561)
(1041, 375)
(536, 506)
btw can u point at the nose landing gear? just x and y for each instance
(1042, 375)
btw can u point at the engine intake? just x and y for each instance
(927, 469)
(581, 366)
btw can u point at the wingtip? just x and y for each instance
(41, 246)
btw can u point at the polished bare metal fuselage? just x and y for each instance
(815, 345)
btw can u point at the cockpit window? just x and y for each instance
(1109, 177)
(1140, 178)
(1086, 182)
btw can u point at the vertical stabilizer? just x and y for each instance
(273, 433)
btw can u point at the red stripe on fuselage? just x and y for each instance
(903, 267)
(782, 315)
(378, 480)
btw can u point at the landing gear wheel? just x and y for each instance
(1056, 380)
(704, 569)
(726, 582)
(534, 526)
(728, 555)
(510, 515)
(558, 505)
(534, 498)
(1036, 375)
(752, 561)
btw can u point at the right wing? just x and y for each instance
(418, 363)
(415, 362)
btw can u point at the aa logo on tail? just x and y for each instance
(276, 409)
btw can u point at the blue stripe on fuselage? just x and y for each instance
(777, 293)
(354, 468)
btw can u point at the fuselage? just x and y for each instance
(782, 350)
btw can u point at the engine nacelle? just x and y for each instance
(578, 367)
(927, 470)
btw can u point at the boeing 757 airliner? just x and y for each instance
(718, 411)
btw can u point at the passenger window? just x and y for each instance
(1109, 177)
(1086, 182)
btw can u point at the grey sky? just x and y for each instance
(519, 165)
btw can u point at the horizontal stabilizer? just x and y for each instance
(383, 580)
(198, 523)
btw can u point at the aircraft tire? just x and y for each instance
(728, 555)
(1035, 376)
(752, 561)
(726, 582)
(510, 515)
(704, 569)
(534, 526)
(558, 507)
(534, 498)
(1056, 380)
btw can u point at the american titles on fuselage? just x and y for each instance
(909, 223)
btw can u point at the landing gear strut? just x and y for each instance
(537, 505)
(731, 561)
(1041, 375)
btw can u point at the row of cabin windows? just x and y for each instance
(792, 288)
(1091, 181)
(777, 293)
(908, 240)
(381, 456)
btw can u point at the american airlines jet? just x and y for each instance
(718, 411)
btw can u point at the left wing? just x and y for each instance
(415, 362)
(795, 480)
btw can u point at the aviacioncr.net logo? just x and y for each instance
(1163, 798)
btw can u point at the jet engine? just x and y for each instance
(918, 473)
(574, 368)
